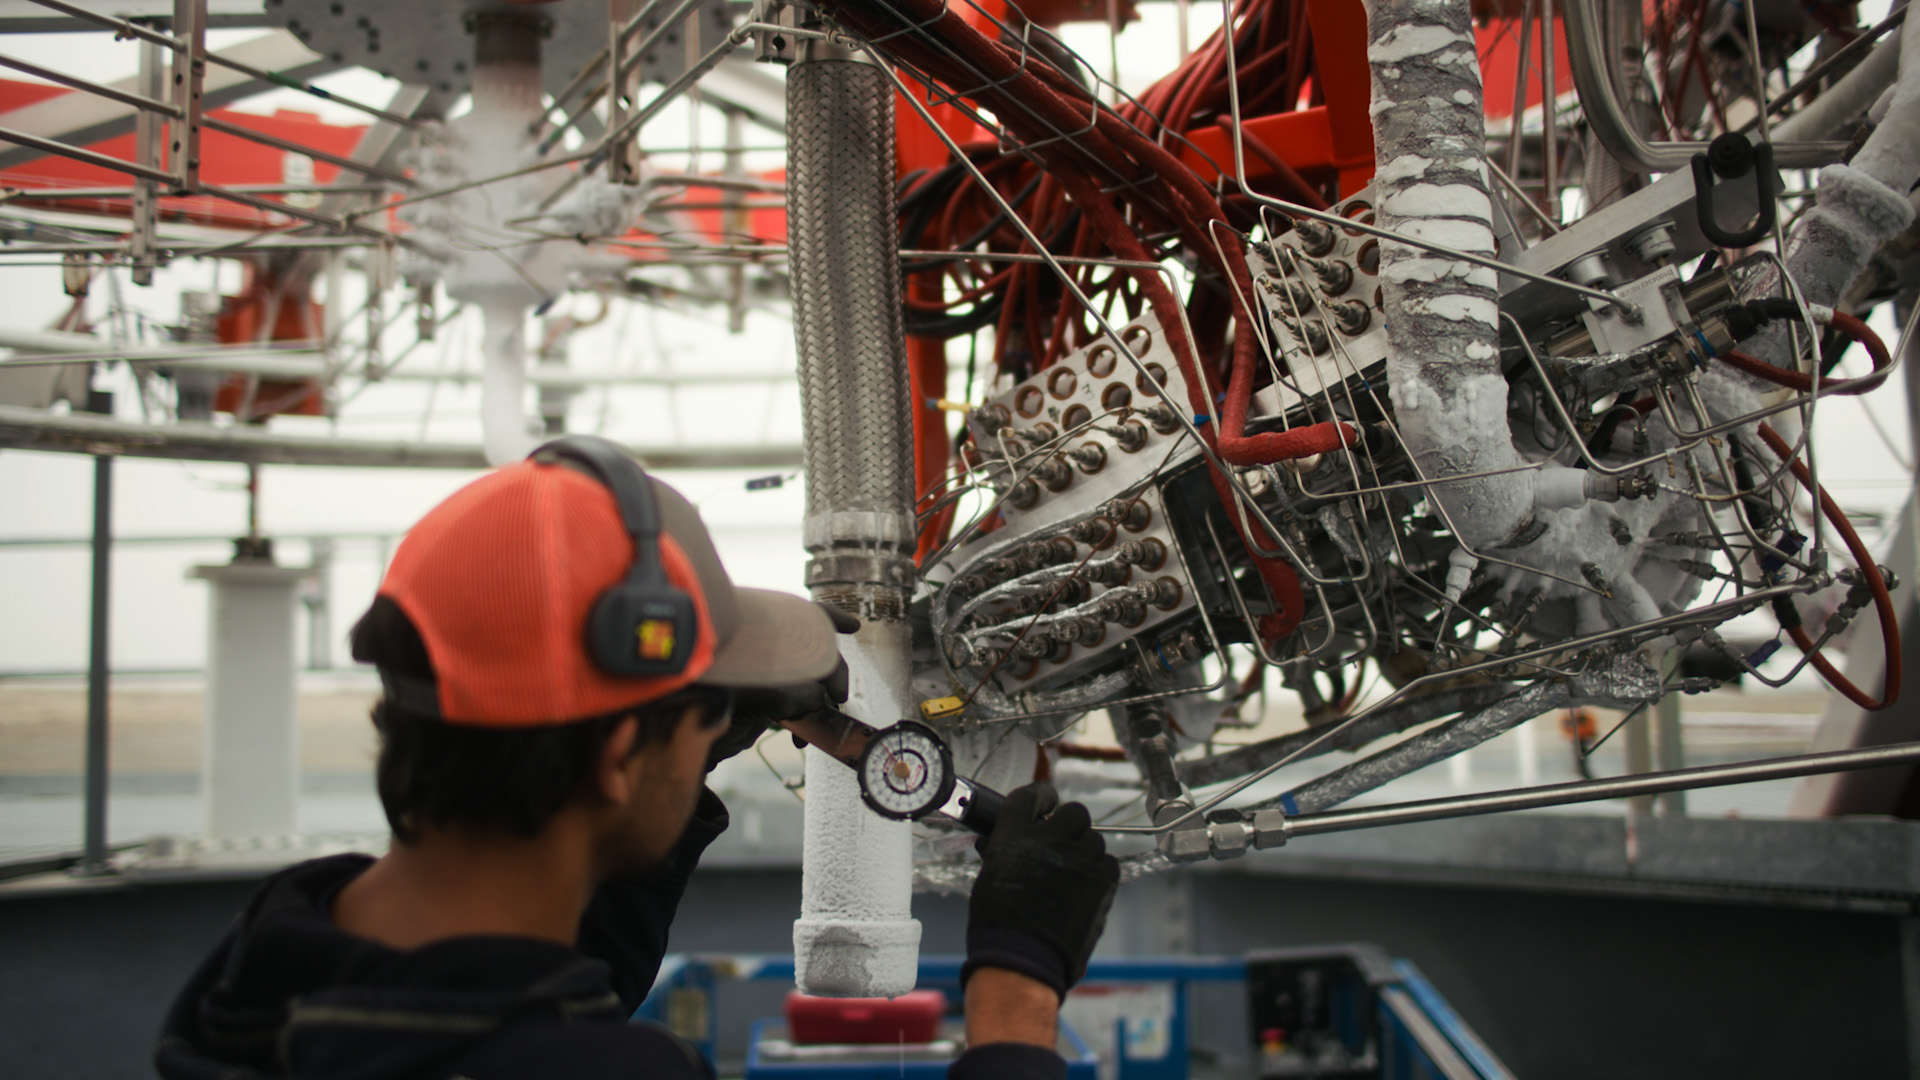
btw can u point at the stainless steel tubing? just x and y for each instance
(1607, 117)
(855, 936)
(99, 670)
(1494, 802)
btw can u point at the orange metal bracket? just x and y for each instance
(1330, 142)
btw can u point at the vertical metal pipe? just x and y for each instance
(319, 601)
(94, 850)
(735, 222)
(1669, 755)
(253, 500)
(855, 936)
(1639, 746)
(1549, 91)
(1516, 123)
(620, 164)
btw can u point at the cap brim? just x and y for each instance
(780, 639)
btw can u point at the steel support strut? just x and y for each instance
(189, 72)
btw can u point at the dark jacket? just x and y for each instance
(289, 994)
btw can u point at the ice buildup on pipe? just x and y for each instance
(856, 936)
(506, 431)
(1861, 206)
(460, 234)
(1443, 367)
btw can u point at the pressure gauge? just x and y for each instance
(906, 772)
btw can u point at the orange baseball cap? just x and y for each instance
(499, 580)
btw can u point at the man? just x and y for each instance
(563, 659)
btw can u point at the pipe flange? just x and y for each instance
(859, 570)
(866, 528)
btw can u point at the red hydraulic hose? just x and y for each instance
(1869, 572)
(1850, 325)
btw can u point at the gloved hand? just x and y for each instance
(755, 708)
(1045, 885)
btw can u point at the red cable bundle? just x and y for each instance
(1036, 103)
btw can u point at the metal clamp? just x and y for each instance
(770, 45)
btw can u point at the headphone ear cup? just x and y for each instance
(642, 629)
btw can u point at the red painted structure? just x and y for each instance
(1329, 143)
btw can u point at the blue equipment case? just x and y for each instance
(1377, 1016)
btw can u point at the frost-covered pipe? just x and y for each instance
(491, 139)
(1861, 205)
(856, 936)
(505, 435)
(1443, 363)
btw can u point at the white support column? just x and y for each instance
(250, 749)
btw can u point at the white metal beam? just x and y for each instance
(32, 429)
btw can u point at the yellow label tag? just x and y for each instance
(940, 708)
(656, 639)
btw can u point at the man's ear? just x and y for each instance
(611, 776)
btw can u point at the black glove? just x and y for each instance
(1046, 882)
(756, 707)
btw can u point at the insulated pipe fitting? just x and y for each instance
(855, 936)
(1563, 489)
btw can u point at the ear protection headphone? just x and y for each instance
(645, 625)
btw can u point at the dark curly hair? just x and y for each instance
(507, 781)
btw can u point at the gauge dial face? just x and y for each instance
(906, 771)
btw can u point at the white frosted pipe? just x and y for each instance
(505, 433)
(1443, 363)
(1861, 206)
(493, 138)
(856, 935)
